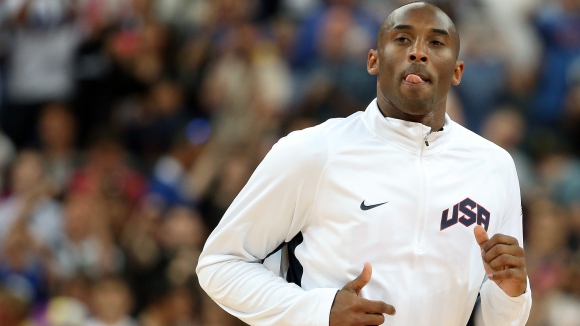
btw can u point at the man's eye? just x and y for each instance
(437, 43)
(401, 39)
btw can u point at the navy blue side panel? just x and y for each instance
(471, 321)
(273, 252)
(294, 274)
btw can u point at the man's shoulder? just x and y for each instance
(315, 144)
(329, 134)
(471, 141)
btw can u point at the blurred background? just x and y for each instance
(129, 126)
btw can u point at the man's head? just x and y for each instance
(389, 23)
(416, 61)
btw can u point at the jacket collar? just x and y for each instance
(408, 135)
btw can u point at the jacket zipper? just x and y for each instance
(422, 214)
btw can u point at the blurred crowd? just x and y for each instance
(129, 126)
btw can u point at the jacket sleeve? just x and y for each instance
(496, 308)
(272, 208)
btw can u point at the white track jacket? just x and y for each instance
(369, 189)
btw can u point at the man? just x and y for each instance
(400, 187)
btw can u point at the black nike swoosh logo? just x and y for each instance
(366, 208)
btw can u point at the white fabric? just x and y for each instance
(45, 222)
(512, 18)
(45, 12)
(41, 60)
(314, 181)
(41, 64)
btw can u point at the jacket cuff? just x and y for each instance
(325, 300)
(499, 294)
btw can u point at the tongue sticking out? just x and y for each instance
(413, 79)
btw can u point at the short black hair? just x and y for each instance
(388, 19)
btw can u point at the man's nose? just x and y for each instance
(417, 54)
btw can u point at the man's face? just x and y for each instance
(416, 61)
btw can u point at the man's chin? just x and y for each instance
(417, 105)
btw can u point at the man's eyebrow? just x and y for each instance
(402, 27)
(434, 30)
(440, 31)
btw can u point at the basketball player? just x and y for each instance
(428, 210)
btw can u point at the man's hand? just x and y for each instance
(350, 309)
(504, 261)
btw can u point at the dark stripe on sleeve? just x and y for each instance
(295, 270)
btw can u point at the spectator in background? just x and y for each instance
(104, 77)
(57, 137)
(366, 27)
(43, 37)
(111, 303)
(162, 247)
(562, 306)
(150, 61)
(30, 230)
(506, 128)
(171, 179)
(116, 65)
(23, 270)
(235, 172)
(171, 306)
(160, 117)
(484, 83)
(181, 238)
(559, 174)
(546, 253)
(30, 203)
(558, 23)
(247, 87)
(192, 62)
(106, 172)
(521, 41)
(336, 81)
(87, 247)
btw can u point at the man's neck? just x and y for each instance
(434, 119)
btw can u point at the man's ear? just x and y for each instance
(373, 62)
(458, 72)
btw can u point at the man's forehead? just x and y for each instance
(419, 14)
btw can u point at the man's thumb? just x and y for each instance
(480, 235)
(363, 279)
